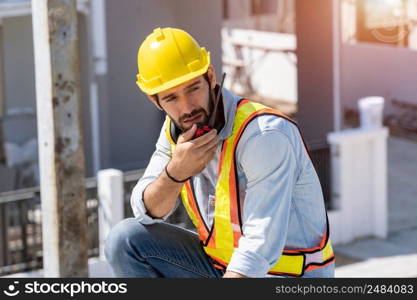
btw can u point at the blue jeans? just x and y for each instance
(157, 250)
(164, 250)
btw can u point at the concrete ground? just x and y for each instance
(395, 256)
(97, 268)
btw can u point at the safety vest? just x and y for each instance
(222, 238)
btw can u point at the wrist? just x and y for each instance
(173, 177)
(231, 274)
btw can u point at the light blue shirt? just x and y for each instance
(281, 198)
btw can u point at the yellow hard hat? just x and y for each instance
(169, 57)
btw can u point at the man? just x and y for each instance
(248, 185)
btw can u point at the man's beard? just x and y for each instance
(194, 113)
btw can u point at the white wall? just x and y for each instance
(359, 184)
(368, 70)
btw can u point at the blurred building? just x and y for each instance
(120, 125)
(342, 51)
(378, 56)
(320, 56)
(262, 15)
(259, 44)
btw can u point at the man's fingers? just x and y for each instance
(207, 151)
(204, 149)
(210, 154)
(212, 144)
(205, 139)
(188, 135)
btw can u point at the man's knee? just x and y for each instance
(120, 238)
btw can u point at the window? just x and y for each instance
(389, 22)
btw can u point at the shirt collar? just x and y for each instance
(230, 101)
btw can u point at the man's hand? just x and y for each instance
(191, 156)
(231, 274)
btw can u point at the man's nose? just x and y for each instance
(187, 106)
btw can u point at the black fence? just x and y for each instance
(21, 226)
(320, 156)
(20, 231)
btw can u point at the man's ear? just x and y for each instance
(211, 73)
(154, 100)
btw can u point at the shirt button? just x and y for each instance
(212, 201)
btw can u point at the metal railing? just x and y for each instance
(21, 224)
(320, 157)
(20, 231)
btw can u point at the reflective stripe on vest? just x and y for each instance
(221, 240)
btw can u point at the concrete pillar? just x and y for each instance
(60, 136)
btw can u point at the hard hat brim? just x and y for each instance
(174, 82)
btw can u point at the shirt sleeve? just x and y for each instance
(157, 163)
(268, 160)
